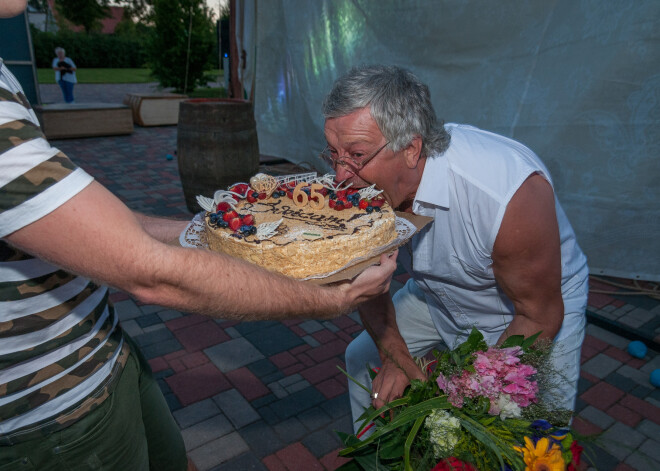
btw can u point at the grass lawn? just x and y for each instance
(109, 75)
(208, 93)
(102, 76)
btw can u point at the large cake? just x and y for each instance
(298, 228)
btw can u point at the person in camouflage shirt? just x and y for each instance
(68, 373)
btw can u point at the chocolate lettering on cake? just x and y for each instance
(313, 218)
(326, 222)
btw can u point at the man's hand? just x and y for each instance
(393, 378)
(372, 282)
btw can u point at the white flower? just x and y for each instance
(507, 407)
(444, 431)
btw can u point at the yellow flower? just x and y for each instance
(541, 457)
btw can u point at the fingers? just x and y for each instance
(387, 386)
(374, 281)
(388, 261)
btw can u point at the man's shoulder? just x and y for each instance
(479, 149)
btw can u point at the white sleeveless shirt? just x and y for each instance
(466, 190)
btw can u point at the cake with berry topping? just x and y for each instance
(298, 228)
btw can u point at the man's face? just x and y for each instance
(356, 137)
(60, 55)
(11, 8)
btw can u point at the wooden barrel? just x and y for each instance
(216, 146)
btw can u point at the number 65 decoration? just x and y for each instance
(315, 199)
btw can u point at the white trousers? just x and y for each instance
(421, 336)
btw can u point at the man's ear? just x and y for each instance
(413, 152)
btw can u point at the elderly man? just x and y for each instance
(500, 254)
(75, 393)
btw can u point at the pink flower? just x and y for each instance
(498, 371)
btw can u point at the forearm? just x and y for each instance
(379, 319)
(200, 281)
(160, 228)
(398, 367)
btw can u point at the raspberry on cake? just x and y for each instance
(299, 230)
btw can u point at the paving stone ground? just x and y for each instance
(269, 396)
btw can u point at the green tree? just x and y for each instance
(181, 44)
(137, 9)
(132, 27)
(85, 13)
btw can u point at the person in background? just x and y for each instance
(499, 255)
(65, 73)
(75, 391)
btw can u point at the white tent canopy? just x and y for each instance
(578, 81)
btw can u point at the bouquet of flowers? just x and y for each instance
(479, 409)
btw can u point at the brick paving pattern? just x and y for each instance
(268, 395)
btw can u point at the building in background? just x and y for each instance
(45, 17)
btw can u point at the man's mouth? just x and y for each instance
(355, 182)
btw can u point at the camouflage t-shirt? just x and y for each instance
(61, 348)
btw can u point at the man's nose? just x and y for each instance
(342, 173)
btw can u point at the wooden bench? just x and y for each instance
(154, 109)
(62, 121)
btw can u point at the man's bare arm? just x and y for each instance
(160, 228)
(527, 260)
(96, 235)
(398, 366)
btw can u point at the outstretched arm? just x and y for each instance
(96, 235)
(161, 228)
(527, 260)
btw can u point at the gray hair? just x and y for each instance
(399, 103)
(58, 49)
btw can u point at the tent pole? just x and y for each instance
(235, 86)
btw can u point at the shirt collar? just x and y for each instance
(433, 190)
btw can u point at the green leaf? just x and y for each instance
(409, 442)
(408, 415)
(350, 466)
(353, 379)
(529, 341)
(486, 421)
(512, 341)
(371, 414)
(346, 439)
(391, 447)
(475, 340)
(370, 462)
(498, 447)
(520, 341)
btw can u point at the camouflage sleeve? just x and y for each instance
(35, 178)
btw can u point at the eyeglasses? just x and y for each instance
(345, 162)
